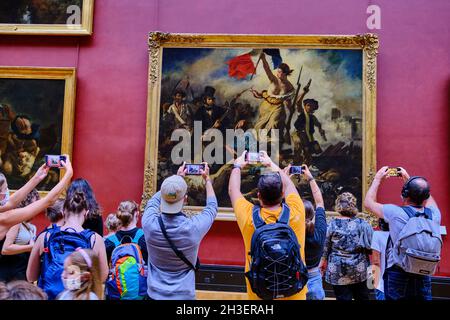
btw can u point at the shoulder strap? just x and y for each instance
(413, 213)
(139, 233)
(49, 232)
(113, 238)
(87, 233)
(285, 214)
(258, 222)
(175, 249)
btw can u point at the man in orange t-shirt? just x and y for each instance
(270, 195)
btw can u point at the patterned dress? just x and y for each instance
(347, 251)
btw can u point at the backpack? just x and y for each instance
(276, 267)
(418, 248)
(128, 274)
(58, 244)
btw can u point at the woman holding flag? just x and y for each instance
(272, 113)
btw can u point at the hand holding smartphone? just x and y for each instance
(252, 157)
(394, 172)
(54, 161)
(297, 170)
(194, 169)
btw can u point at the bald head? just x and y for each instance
(418, 190)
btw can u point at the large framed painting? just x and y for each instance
(304, 99)
(46, 17)
(36, 118)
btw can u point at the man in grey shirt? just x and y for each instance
(169, 277)
(416, 194)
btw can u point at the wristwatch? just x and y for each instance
(311, 179)
(236, 166)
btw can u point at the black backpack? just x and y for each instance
(276, 267)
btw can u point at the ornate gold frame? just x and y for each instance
(83, 29)
(67, 74)
(368, 43)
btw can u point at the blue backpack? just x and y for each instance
(128, 274)
(58, 244)
(276, 267)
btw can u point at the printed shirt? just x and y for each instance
(347, 259)
(243, 211)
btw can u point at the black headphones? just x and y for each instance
(405, 189)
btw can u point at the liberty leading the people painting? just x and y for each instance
(307, 100)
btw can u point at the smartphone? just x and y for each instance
(54, 161)
(194, 169)
(393, 172)
(253, 157)
(296, 170)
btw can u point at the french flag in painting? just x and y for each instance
(243, 65)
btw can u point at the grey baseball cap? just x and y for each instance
(173, 190)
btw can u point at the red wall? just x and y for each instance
(413, 86)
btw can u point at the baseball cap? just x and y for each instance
(173, 190)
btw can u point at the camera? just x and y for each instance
(54, 161)
(394, 172)
(194, 169)
(296, 169)
(253, 157)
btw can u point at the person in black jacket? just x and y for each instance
(316, 231)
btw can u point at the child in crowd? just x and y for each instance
(379, 245)
(21, 290)
(55, 213)
(52, 247)
(81, 276)
(112, 224)
(127, 253)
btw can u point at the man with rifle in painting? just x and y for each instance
(305, 127)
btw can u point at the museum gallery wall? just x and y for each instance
(112, 76)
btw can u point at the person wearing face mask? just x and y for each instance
(81, 276)
(47, 258)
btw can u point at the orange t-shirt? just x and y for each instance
(243, 211)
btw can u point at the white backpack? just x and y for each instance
(419, 244)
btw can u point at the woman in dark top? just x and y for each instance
(94, 220)
(316, 231)
(346, 251)
(128, 214)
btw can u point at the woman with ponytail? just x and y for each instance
(128, 215)
(52, 247)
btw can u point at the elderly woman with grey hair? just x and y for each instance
(346, 254)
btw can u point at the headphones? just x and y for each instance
(406, 191)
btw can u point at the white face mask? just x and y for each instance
(5, 199)
(72, 283)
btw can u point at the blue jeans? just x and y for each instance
(379, 295)
(315, 286)
(401, 285)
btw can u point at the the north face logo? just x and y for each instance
(276, 246)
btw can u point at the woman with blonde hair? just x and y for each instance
(346, 253)
(81, 276)
(127, 254)
(112, 224)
